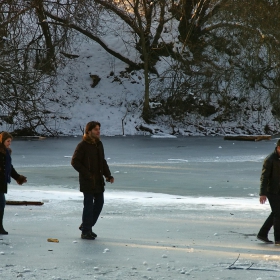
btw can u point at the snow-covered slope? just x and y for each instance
(113, 99)
(117, 100)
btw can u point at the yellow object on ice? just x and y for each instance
(53, 240)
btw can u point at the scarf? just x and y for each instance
(8, 167)
(91, 139)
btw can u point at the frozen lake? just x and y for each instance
(170, 214)
(187, 166)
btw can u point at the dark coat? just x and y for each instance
(89, 160)
(14, 174)
(270, 177)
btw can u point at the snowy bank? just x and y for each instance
(144, 199)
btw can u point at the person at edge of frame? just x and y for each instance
(7, 172)
(89, 160)
(270, 189)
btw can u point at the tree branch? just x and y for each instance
(161, 24)
(239, 25)
(125, 17)
(2, 24)
(63, 22)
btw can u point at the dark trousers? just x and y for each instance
(2, 201)
(273, 218)
(267, 225)
(93, 205)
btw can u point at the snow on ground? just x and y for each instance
(117, 100)
(140, 236)
(114, 102)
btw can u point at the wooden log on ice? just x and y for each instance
(12, 202)
(30, 137)
(247, 137)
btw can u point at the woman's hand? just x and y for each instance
(21, 179)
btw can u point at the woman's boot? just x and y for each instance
(2, 231)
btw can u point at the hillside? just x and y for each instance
(221, 78)
(116, 102)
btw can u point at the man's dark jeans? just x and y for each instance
(268, 224)
(93, 205)
(274, 201)
(2, 201)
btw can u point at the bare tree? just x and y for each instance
(225, 61)
(144, 20)
(27, 67)
(227, 67)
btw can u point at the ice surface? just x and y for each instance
(187, 166)
(162, 219)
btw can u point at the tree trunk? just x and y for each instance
(146, 106)
(46, 63)
(144, 34)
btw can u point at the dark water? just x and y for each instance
(190, 166)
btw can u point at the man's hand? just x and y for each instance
(110, 179)
(262, 199)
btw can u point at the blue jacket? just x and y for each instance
(14, 174)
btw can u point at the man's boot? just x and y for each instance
(2, 231)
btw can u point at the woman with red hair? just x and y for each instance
(7, 172)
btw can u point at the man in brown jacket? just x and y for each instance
(89, 160)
